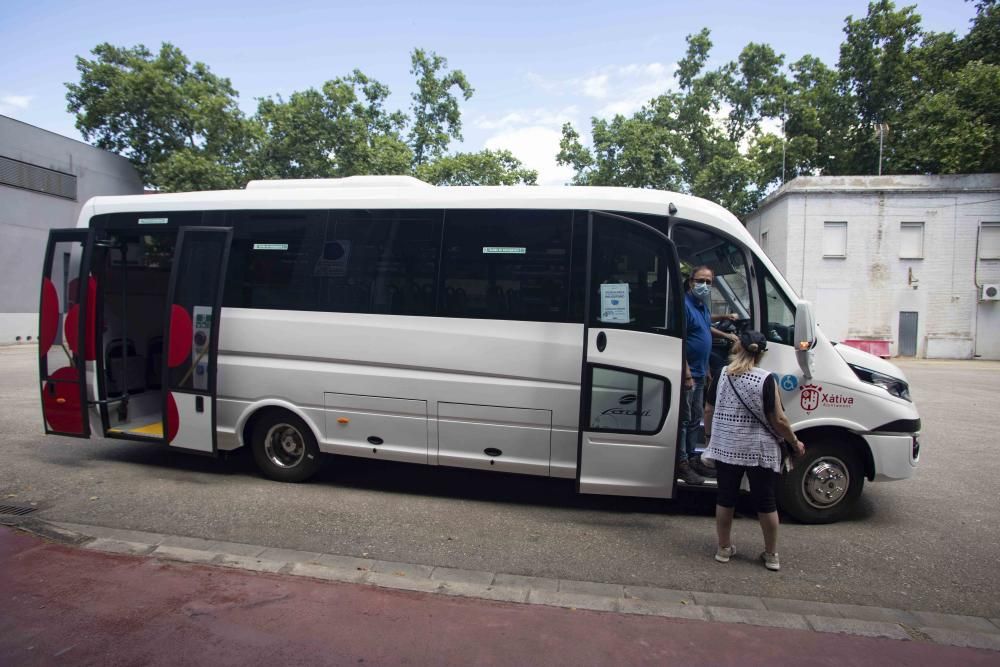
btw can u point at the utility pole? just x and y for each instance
(882, 129)
(784, 112)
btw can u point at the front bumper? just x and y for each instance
(894, 456)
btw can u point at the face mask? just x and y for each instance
(701, 290)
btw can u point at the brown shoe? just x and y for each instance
(687, 475)
(696, 464)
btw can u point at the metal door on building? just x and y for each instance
(907, 334)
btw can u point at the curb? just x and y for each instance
(857, 620)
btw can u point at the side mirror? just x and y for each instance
(805, 337)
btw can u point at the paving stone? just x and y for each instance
(985, 640)
(410, 570)
(774, 619)
(653, 594)
(484, 591)
(883, 614)
(996, 622)
(119, 546)
(852, 626)
(454, 575)
(53, 532)
(326, 572)
(250, 563)
(290, 555)
(535, 583)
(186, 555)
(234, 548)
(591, 588)
(803, 607)
(138, 536)
(573, 600)
(932, 619)
(348, 562)
(385, 580)
(663, 608)
(727, 600)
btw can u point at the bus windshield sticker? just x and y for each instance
(152, 221)
(614, 302)
(503, 250)
(270, 246)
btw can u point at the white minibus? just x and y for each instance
(532, 330)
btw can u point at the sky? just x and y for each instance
(534, 64)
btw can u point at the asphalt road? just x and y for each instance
(929, 543)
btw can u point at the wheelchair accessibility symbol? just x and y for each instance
(789, 382)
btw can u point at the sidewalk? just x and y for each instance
(67, 604)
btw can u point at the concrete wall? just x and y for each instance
(862, 294)
(26, 216)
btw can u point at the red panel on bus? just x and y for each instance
(173, 418)
(61, 401)
(48, 319)
(181, 336)
(72, 324)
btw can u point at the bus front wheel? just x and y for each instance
(284, 447)
(824, 483)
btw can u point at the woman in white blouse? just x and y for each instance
(746, 426)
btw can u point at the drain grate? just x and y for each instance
(17, 510)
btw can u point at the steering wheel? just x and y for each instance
(732, 326)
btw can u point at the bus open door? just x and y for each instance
(633, 360)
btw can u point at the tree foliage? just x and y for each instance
(161, 112)
(182, 128)
(900, 99)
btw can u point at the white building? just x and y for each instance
(45, 179)
(903, 265)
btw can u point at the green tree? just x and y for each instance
(342, 130)
(436, 117)
(483, 168)
(154, 108)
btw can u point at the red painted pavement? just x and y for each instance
(64, 605)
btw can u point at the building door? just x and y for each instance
(907, 334)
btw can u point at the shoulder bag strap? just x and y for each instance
(762, 422)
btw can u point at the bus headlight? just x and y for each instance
(894, 386)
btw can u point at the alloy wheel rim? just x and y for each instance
(284, 446)
(826, 482)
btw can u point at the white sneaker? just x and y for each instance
(770, 561)
(723, 554)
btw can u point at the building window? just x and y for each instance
(834, 239)
(763, 242)
(911, 240)
(989, 240)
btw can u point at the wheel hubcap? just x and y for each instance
(826, 482)
(284, 446)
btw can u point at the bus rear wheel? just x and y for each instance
(824, 484)
(284, 447)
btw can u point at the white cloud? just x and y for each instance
(11, 104)
(596, 86)
(523, 117)
(536, 147)
(622, 88)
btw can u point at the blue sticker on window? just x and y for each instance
(789, 382)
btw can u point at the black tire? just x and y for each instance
(284, 447)
(824, 484)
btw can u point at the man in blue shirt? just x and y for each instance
(696, 372)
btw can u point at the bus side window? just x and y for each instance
(507, 265)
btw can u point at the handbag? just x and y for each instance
(786, 453)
